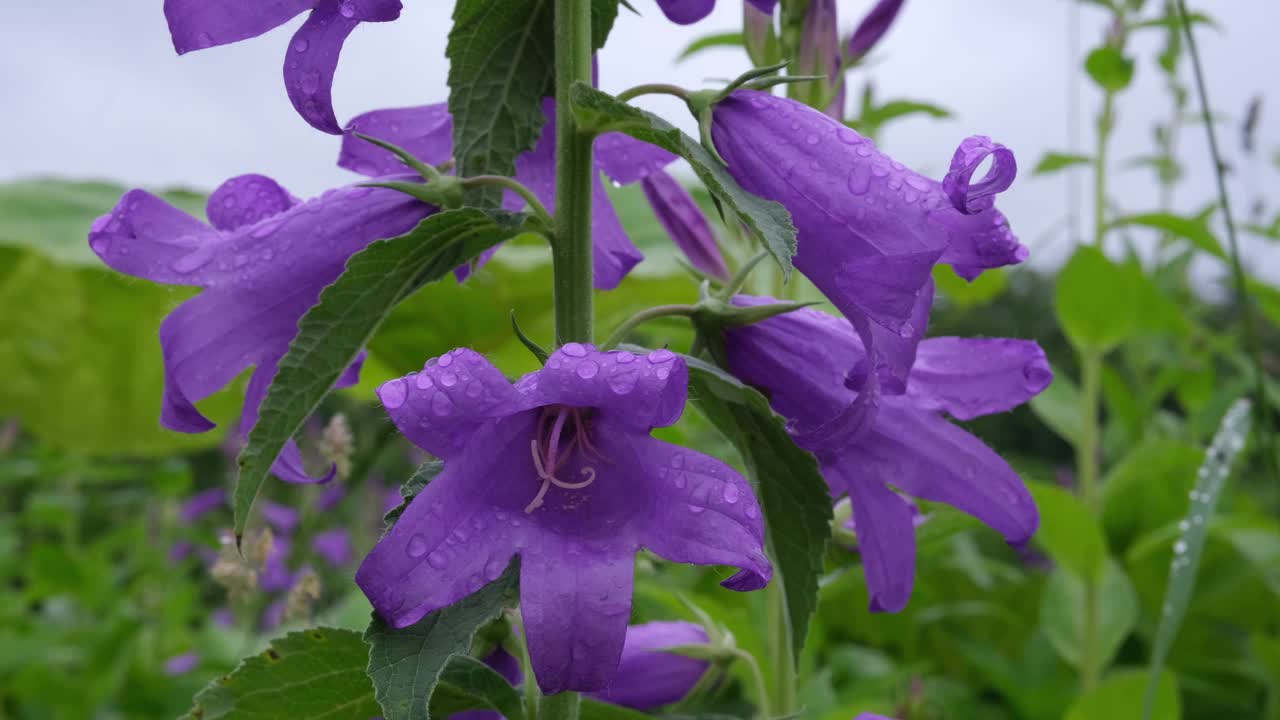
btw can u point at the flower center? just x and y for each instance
(561, 431)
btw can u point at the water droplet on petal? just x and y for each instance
(423, 381)
(417, 546)
(696, 509)
(445, 360)
(448, 379)
(437, 560)
(661, 355)
(752, 512)
(301, 45)
(730, 493)
(625, 358)
(348, 9)
(622, 383)
(441, 404)
(493, 569)
(193, 260)
(574, 349)
(392, 394)
(587, 369)
(849, 137)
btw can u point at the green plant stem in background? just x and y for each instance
(1106, 120)
(762, 687)
(1087, 443)
(562, 706)
(653, 89)
(571, 249)
(515, 186)
(782, 661)
(645, 316)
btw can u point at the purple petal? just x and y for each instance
(273, 615)
(929, 458)
(460, 532)
(147, 237)
(313, 55)
(687, 12)
(873, 27)
(701, 511)
(334, 546)
(764, 6)
(181, 664)
(202, 503)
(685, 223)
(971, 377)
(648, 678)
(282, 518)
(896, 351)
(425, 130)
(276, 574)
(820, 50)
(289, 466)
(198, 24)
(180, 551)
(640, 392)
(972, 199)
(351, 376)
(331, 496)
(575, 599)
(440, 407)
(627, 160)
(886, 533)
(245, 200)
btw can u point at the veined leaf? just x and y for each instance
(1095, 301)
(1052, 162)
(1192, 229)
(1119, 697)
(469, 684)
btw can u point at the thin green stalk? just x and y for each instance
(782, 662)
(1262, 406)
(762, 688)
(645, 316)
(653, 89)
(1087, 445)
(561, 706)
(571, 251)
(1106, 119)
(515, 186)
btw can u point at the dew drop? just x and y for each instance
(812, 140)
(730, 493)
(392, 394)
(301, 45)
(445, 360)
(437, 560)
(448, 379)
(1180, 547)
(417, 546)
(194, 260)
(493, 569)
(906, 331)
(423, 381)
(860, 180)
(310, 82)
(587, 369)
(474, 389)
(348, 9)
(441, 405)
(696, 509)
(848, 137)
(661, 355)
(625, 358)
(574, 349)
(623, 382)
(752, 512)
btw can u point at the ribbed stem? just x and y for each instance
(571, 251)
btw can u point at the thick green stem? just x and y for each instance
(571, 251)
(1087, 443)
(782, 661)
(1106, 120)
(561, 706)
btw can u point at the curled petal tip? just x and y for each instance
(974, 198)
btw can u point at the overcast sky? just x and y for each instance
(92, 89)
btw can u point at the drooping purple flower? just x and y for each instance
(202, 503)
(334, 546)
(426, 131)
(870, 230)
(332, 495)
(902, 441)
(820, 55)
(312, 57)
(181, 664)
(687, 12)
(684, 222)
(648, 677)
(872, 28)
(561, 470)
(276, 574)
(261, 263)
(282, 518)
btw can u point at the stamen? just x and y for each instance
(588, 472)
(549, 464)
(537, 500)
(553, 449)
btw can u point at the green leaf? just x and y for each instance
(317, 673)
(501, 65)
(1119, 697)
(406, 665)
(1187, 550)
(333, 332)
(1148, 488)
(1109, 68)
(1062, 614)
(1058, 406)
(596, 710)
(706, 42)
(1194, 229)
(1052, 162)
(1095, 303)
(1068, 532)
(425, 473)
(796, 503)
(767, 220)
(469, 684)
(970, 293)
(875, 117)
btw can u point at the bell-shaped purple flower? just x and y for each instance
(261, 263)
(872, 28)
(820, 55)
(559, 469)
(312, 57)
(869, 230)
(687, 12)
(904, 441)
(426, 131)
(649, 677)
(684, 222)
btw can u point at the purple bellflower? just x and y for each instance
(334, 546)
(181, 664)
(820, 55)
(261, 263)
(872, 28)
(561, 470)
(684, 222)
(870, 230)
(312, 57)
(282, 518)
(427, 132)
(687, 12)
(902, 441)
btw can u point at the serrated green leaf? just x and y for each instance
(1062, 614)
(1068, 532)
(1052, 162)
(793, 495)
(706, 42)
(333, 332)
(1119, 697)
(409, 489)
(1095, 303)
(767, 220)
(316, 674)
(1109, 68)
(407, 664)
(469, 684)
(1193, 229)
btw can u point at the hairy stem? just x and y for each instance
(782, 662)
(571, 251)
(515, 186)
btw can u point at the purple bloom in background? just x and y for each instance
(312, 56)
(334, 546)
(180, 550)
(427, 132)
(649, 678)
(223, 617)
(561, 470)
(820, 55)
(332, 495)
(276, 574)
(872, 716)
(262, 264)
(903, 441)
(686, 12)
(202, 503)
(870, 230)
(282, 518)
(685, 223)
(508, 667)
(273, 615)
(181, 664)
(872, 28)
